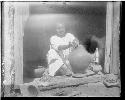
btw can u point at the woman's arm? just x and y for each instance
(73, 40)
(63, 47)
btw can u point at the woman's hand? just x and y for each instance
(63, 47)
(75, 43)
(70, 44)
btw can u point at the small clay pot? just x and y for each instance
(38, 73)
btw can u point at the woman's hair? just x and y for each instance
(58, 24)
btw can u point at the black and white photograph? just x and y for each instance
(60, 49)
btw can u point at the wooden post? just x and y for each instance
(115, 38)
(15, 15)
(112, 62)
(109, 20)
(21, 15)
(8, 31)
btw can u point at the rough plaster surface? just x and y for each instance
(91, 86)
(87, 90)
(92, 89)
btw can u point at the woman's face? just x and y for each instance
(60, 29)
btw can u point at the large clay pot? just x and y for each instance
(80, 59)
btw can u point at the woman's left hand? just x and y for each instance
(75, 43)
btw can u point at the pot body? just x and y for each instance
(80, 59)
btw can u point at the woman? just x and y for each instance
(61, 45)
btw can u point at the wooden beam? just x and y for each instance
(69, 82)
(109, 20)
(9, 61)
(14, 18)
(115, 39)
(21, 15)
(57, 82)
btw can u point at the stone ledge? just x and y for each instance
(57, 82)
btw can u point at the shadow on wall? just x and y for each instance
(39, 28)
(92, 42)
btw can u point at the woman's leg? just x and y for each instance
(68, 64)
(66, 70)
(54, 67)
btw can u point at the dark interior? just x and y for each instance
(83, 19)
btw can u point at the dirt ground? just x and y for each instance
(90, 89)
(87, 90)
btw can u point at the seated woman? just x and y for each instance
(61, 45)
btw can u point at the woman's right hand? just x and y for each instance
(70, 44)
(74, 44)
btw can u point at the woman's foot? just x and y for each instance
(45, 80)
(69, 74)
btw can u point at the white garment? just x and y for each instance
(52, 54)
(57, 41)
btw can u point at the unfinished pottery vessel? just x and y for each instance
(80, 59)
